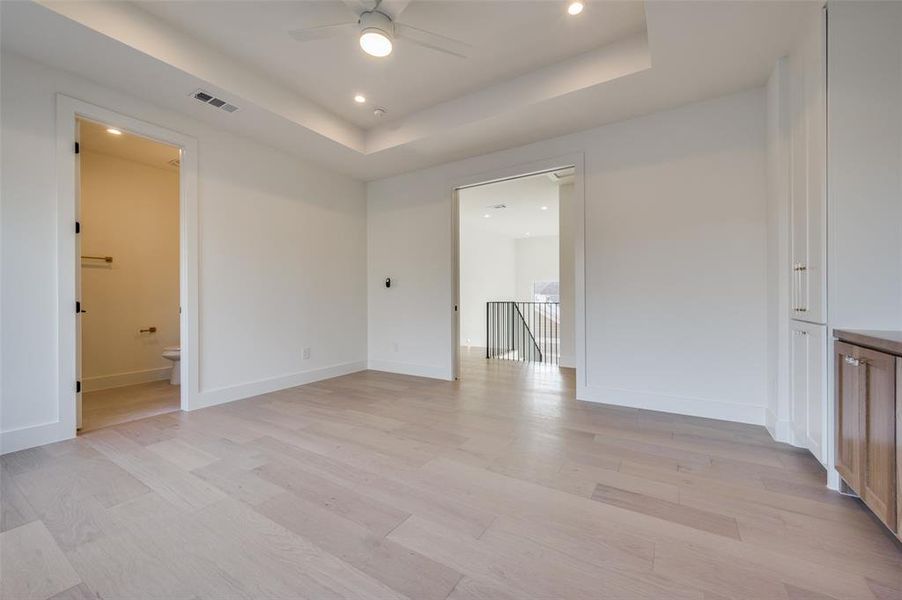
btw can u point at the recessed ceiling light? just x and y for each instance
(375, 42)
(575, 7)
(544, 208)
(113, 131)
(359, 98)
(486, 216)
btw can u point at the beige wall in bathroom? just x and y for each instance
(129, 211)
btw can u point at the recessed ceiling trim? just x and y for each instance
(620, 59)
(154, 37)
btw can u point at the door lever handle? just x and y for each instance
(148, 330)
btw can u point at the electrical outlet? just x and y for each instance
(306, 353)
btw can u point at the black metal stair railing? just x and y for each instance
(524, 331)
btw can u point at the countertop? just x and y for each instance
(884, 341)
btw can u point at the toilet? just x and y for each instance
(174, 353)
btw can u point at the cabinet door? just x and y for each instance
(798, 196)
(808, 355)
(814, 275)
(816, 408)
(899, 447)
(808, 173)
(878, 479)
(799, 381)
(849, 407)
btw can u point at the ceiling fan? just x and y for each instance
(378, 28)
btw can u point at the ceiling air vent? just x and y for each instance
(208, 98)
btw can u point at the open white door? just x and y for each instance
(78, 386)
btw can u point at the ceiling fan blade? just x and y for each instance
(323, 32)
(358, 6)
(393, 8)
(434, 41)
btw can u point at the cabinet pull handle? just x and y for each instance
(799, 268)
(850, 360)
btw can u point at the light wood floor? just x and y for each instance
(128, 403)
(384, 486)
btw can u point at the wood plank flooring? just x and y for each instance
(384, 486)
(103, 408)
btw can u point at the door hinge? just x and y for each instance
(77, 307)
(77, 148)
(77, 227)
(77, 387)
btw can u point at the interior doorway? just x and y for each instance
(128, 277)
(516, 274)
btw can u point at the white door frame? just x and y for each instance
(575, 160)
(67, 111)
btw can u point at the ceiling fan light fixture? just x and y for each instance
(575, 7)
(376, 32)
(375, 43)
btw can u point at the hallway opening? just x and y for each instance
(516, 271)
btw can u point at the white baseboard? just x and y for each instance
(403, 368)
(694, 407)
(248, 390)
(770, 422)
(783, 432)
(30, 437)
(106, 382)
(568, 361)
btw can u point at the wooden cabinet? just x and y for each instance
(867, 421)
(899, 447)
(807, 378)
(878, 476)
(849, 393)
(808, 174)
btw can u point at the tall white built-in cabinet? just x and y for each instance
(806, 81)
(835, 211)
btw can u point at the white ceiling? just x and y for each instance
(561, 75)
(93, 137)
(522, 215)
(507, 39)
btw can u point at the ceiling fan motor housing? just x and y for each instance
(377, 22)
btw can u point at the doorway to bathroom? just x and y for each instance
(128, 276)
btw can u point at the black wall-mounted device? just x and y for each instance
(388, 282)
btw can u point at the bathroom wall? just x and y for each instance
(129, 211)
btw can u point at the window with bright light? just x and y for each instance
(546, 291)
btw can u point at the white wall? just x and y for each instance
(282, 257)
(537, 260)
(488, 271)
(675, 259)
(778, 303)
(129, 211)
(567, 272)
(865, 165)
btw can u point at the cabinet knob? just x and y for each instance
(851, 360)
